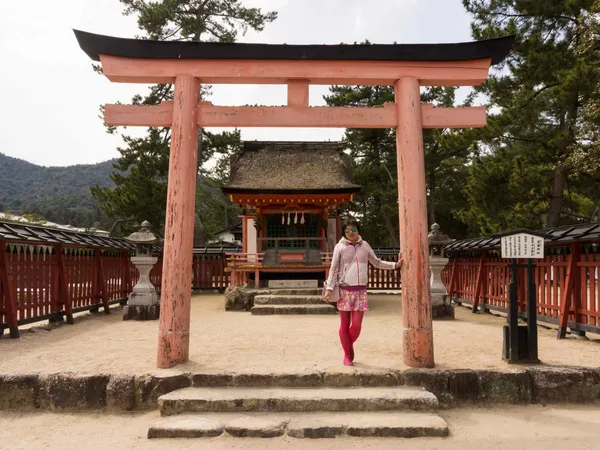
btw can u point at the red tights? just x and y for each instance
(350, 325)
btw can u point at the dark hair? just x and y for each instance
(350, 223)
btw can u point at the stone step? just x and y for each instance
(306, 291)
(293, 284)
(400, 424)
(289, 300)
(295, 400)
(265, 310)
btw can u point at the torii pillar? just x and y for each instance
(175, 302)
(406, 67)
(417, 331)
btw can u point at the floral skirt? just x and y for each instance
(353, 300)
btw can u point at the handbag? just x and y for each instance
(335, 294)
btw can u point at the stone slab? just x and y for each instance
(283, 291)
(281, 299)
(293, 284)
(265, 310)
(72, 391)
(505, 387)
(302, 425)
(120, 393)
(185, 426)
(253, 426)
(405, 424)
(150, 387)
(279, 379)
(19, 391)
(295, 400)
(564, 384)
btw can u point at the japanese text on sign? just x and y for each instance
(522, 245)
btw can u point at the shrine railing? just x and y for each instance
(246, 266)
(52, 274)
(566, 280)
(289, 243)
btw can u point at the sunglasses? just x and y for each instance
(350, 230)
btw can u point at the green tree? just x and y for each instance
(140, 183)
(527, 172)
(375, 165)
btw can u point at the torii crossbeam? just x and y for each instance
(407, 67)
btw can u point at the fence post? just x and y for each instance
(566, 299)
(576, 295)
(452, 278)
(101, 280)
(64, 286)
(522, 277)
(96, 295)
(479, 284)
(55, 309)
(9, 293)
(126, 284)
(221, 272)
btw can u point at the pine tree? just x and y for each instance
(142, 170)
(375, 166)
(527, 172)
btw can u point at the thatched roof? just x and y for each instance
(280, 167)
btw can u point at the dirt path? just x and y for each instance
(510, 428)
(238, 341)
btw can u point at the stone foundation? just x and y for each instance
(122, 392)
(141, 312)
(442, 312)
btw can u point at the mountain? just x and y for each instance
(59, 194)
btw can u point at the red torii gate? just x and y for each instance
(187, 64)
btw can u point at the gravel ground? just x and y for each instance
(238, 341)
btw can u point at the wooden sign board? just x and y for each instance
(522, 245)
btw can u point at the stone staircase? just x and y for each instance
(292, 297)
(312, 412)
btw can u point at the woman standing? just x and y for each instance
(349, 272)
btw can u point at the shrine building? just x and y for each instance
(290, 194)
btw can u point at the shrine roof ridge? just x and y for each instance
(94, 45)
(258, 145)
(292, 167)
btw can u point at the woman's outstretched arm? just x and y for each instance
(385, 265)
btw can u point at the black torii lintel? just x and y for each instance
(95, 45)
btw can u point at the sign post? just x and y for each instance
(520, 344)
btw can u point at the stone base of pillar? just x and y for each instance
(441, 308)
(141, 312)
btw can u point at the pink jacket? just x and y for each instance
(349, 263)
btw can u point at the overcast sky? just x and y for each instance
(51, 94)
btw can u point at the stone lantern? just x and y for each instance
(440, 303)
(143, 303)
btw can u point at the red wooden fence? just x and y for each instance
(384, 279)
(52, 281)
(40, 281)
(566, 281)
